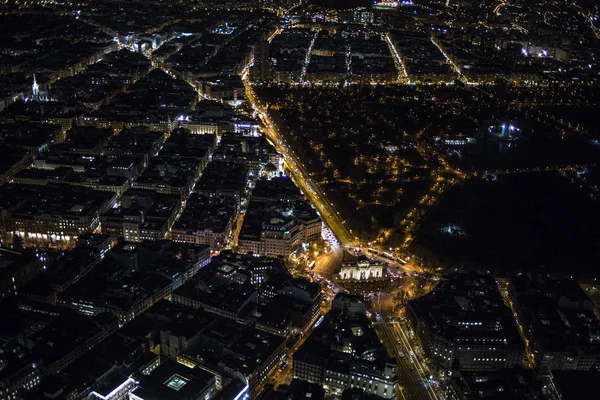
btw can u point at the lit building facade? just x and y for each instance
(281, 240)
(360, 269)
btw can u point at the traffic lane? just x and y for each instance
(408, 377)
(412, 384)
(334, 221)
(326, 264)
(416, 372)
(421, 367)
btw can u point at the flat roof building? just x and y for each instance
(206, 220)
(175, 381)
(558, 321)
(224, 178)
(464, 324)
(278, 228)
(344, 352)
(54, 213)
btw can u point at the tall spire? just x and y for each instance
(35, 88)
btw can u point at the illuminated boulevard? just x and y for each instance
(412, 372)
(299, 173)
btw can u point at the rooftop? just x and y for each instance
(27, 201)
(342, 342)
(468, 309)
(172, 380)
(558, 311)
(204, 212)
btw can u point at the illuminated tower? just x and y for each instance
(35, 88)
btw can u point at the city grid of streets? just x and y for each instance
(416, 379)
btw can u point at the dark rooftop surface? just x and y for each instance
(172, 380)
(465, 308)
